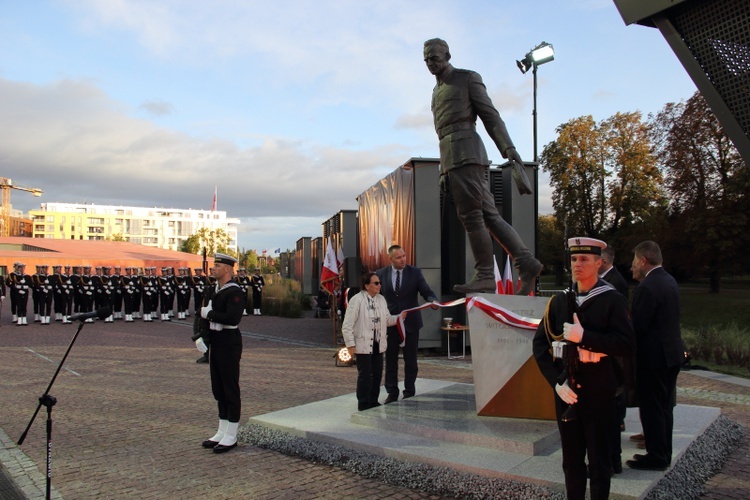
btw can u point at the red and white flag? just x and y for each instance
(508, 278)
(499, 288)
(339, 257)
(330, 271)
(213, 205)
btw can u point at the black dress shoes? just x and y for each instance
(220, 448)
(209, 444)
(647, 463)
(390, 399)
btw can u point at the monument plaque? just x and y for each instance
(507, 381)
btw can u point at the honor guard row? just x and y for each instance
(135, 294)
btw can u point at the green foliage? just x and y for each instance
(551, 248)
(249, 260)
(191, 245)
(725, 347)
(117, 237)
(213, 240)
(284, 297)
(676, 179)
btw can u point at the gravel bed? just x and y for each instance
(702, 459)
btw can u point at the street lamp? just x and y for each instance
(541, 54)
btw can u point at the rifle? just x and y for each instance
(200, 325)
(570, 349)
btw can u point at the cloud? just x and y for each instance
(158, 108)
(78, 144)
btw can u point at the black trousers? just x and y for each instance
(410, 362)
(224, 362)
(656, 395)
(22, 301)
(588, 435)
(369, 374)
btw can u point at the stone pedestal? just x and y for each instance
(507, 381)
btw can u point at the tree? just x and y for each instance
(604, 175)
(117, 237)
(192, 244)
(551, 247)
(576, 167)
(213, 240)
(708, 184)
(634, 180)
(249, 259)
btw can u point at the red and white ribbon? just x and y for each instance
(502, 315)
(494, 311)
(400, 323)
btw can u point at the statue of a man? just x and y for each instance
(457, 99)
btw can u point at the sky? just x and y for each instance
(290, 108)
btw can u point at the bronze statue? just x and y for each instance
(457, 99)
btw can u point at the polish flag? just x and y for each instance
(508, 278)
(499, 288)
(329, 273)
(339, 257)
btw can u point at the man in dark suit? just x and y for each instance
(660, 353)
(610, 274)
(624, 366)
(401, 285)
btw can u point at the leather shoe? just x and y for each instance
(647, 463)
(641, 445)
(390, 399)
(637, 437)
(220, 448)
(202, 359)
(209, 444)
(639, 456)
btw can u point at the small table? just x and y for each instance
(452, 329)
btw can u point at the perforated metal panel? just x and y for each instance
(717, 33)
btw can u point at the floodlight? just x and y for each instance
(524, 64)
(543, 53)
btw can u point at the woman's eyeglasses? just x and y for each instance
(374, 283)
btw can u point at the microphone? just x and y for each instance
(101, 313)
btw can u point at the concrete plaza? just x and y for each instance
(133, 406)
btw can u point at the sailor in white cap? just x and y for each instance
(593, 319)
(224, 313)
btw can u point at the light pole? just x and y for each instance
(541, 54)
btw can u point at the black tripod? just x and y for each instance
(49, 401)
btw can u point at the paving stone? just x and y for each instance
(133, 406)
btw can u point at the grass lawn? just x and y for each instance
(701, 308)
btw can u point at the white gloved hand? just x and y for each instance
(202, 347)
(574, 331)
(566, 393)
(205, 310)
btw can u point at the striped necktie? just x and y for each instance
(398, 282)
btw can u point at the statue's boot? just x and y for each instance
(483, 280)
(528, 266)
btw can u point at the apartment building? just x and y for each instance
(165, 228)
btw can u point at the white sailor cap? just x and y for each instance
(221, 258)
(586, 245)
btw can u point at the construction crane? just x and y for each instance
(6, 185)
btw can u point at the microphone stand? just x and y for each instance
(49, 401)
